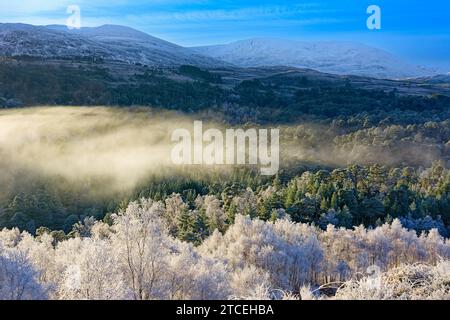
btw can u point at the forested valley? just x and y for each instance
(91, 208)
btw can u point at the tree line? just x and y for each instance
(135, 256)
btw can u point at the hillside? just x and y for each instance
(109, 42)
(327, 56)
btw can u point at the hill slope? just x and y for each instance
(109, 42)
(331, 57)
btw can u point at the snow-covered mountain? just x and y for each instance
(331, 57)
(108, 42)
(118, 43)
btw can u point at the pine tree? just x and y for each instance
(186, 227)
(291, 194)
(334, 201)
(201, 229)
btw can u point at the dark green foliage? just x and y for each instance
(200, 74)
(346, 197)
(263, 100)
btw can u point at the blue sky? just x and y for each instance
(415, 29)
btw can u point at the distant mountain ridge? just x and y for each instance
(124, 44)
(327, 56)
(108, 42)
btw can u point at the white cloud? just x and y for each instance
(248, 13)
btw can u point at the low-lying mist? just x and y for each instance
(111, 150)
(86, 144)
